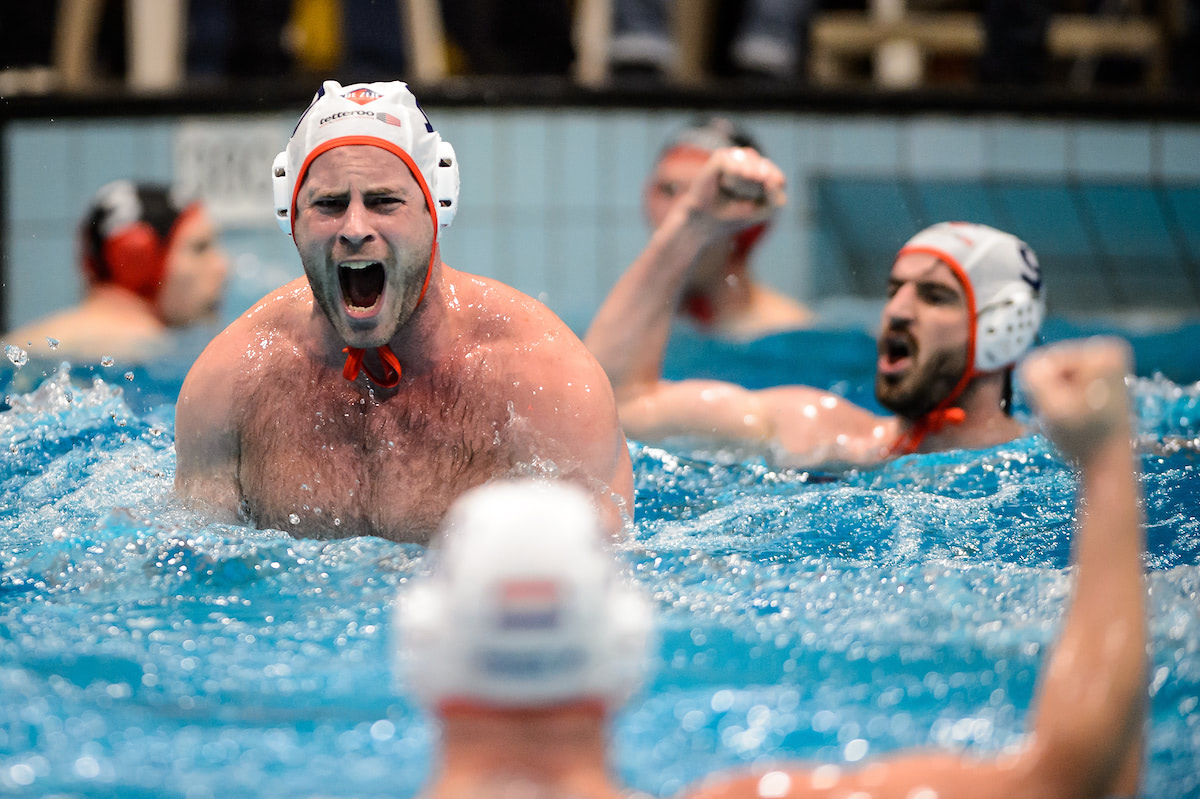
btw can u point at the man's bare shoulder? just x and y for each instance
(259, 332)
(250, 344)
(85, 335)
(506, 321)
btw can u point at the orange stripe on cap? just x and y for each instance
(687, 151)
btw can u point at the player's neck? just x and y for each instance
(111, 299)
(425, 336)
(564, 747)
(985, 424)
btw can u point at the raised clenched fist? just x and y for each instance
(1078, 390)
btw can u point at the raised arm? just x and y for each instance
(1090, 698)
(1090, 704)
(737, 188)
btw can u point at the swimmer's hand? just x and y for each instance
(1078, 390)
(738, 188)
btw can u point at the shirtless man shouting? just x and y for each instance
(366, 396)
(964, 305)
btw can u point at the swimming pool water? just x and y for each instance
(144, 652)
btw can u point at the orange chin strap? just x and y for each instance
(932, 422)
(391, 364)
(354, 364)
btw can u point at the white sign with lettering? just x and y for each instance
(227, 164)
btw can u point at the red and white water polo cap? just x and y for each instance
(384, 114)
(1003, 283)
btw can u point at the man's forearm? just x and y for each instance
(1092, 695)
(629, 333)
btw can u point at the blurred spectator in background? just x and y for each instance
(768, 37)
(237, 38)
(499, 37)
(1015, 51)
(1185, 52)
(721, 298)
(368, 39)
(152, 266)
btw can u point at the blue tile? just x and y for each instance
(106, 151)
(1180, 148)
(871, 219)
(627, 151)
(155, 146)
(855, 146)
(575, 166)
(779, 138)
(1035, 149)
(574, 283)
(524, 162)
(40, 173)
(945, 147)
(623, 236)
(1128, 221)
(42, 274)
(957, 201)
(1047, 216)
(831, 274)
(1153, 283)
(1113, 150)
(1079, 283)
(789, 144)
(473, 248)
(1183, 204)
(869, 214)
(525, 246)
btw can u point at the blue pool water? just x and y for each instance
(144, 652)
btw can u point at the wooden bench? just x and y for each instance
(839, 36)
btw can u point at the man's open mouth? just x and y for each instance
(362, 285)
(896, 351)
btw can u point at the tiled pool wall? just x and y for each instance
(551, 199)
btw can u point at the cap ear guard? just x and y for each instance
(282, 192)
(445, 185)
(1007, 327)
(135, 258)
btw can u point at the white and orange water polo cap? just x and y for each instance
(526, 607)
(383, 115)
(1003, 284)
